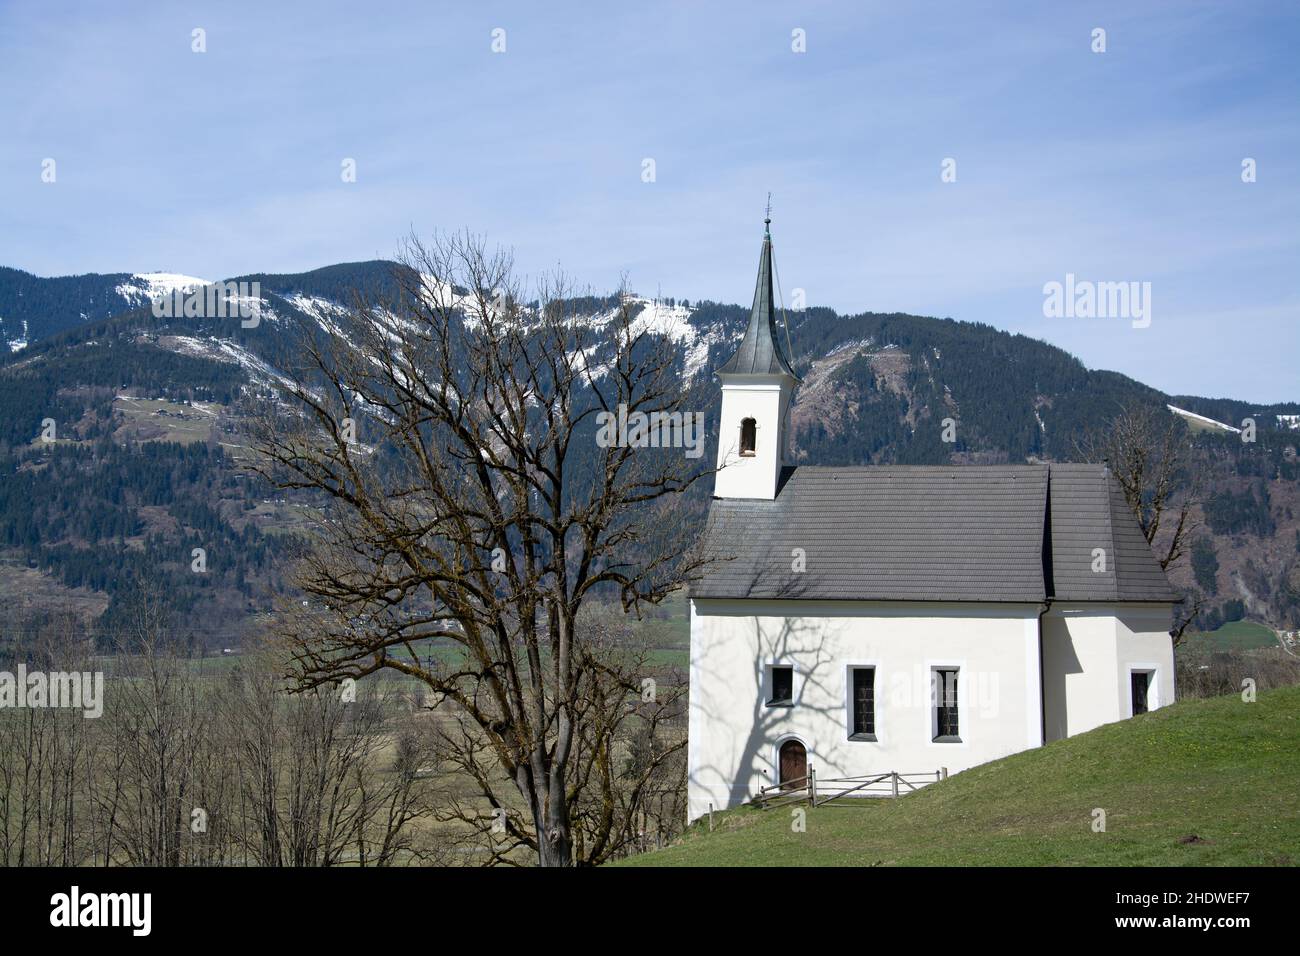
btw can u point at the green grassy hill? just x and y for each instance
(1234, 636)
(1221, 771)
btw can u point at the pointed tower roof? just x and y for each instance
(760, 350)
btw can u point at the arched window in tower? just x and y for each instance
(748, 427)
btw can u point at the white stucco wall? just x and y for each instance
(1079, 668)
(1142, 642)
(734, 735)
(1088, 654)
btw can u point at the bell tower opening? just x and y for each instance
(748, 428)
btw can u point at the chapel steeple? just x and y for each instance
(758, 383)
(760, 351)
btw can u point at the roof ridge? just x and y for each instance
(1042, 468)
(1113, 553)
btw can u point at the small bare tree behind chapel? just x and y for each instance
(1148, 452)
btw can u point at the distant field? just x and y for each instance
(160, 420)
(1201, 782)
(666, 639)
(24, 590)
(673, 631)
(1233, 636)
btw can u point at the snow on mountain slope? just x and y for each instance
(673, 322)
(439, 294)
(1202, 420)
(145, 287)
(324, 311)
(223, 350)
(20, 343)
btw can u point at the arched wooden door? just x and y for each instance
(793, 764)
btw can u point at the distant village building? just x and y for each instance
(890, 618)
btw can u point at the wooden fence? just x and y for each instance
(820, 791)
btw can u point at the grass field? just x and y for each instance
(1202, 782)
(670, 635)
(160, 420)
(1234, 636)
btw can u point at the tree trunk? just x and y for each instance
(554, 837)
(556, 847)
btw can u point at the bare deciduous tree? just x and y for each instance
(450, 430)
(312, 788)
(42, 754)
(1148, 452)
(185, 768)
(628, 768)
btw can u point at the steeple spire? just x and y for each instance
(760, 350)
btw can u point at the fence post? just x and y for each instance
(895, 781)
(812, 785)
(944, 771)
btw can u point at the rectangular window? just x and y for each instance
(780, 680)
(862, 703)
(945, 706)
(1141, 683)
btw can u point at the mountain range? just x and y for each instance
(144, 465)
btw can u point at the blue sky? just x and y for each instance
(1115, 166)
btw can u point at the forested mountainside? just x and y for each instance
(34, 308)
(147, 462)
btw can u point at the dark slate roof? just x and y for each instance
(1088, 511)
(760, 350)
(947, 533)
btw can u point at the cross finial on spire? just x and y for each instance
(767, 218)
